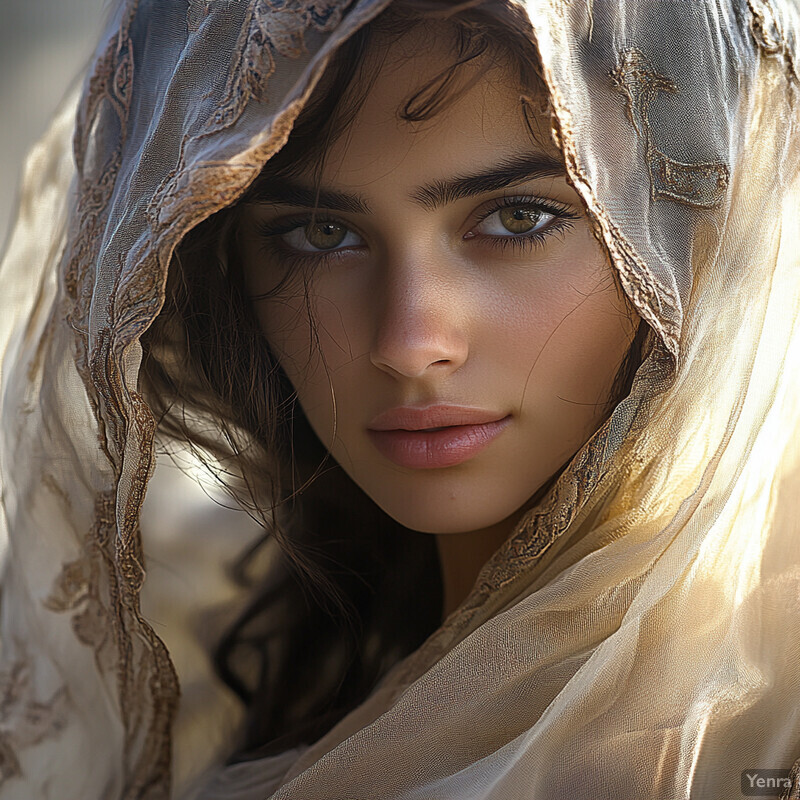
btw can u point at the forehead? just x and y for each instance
(476, 111)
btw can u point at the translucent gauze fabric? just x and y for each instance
(637, 634)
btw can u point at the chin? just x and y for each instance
(459, 500)
(457, 516)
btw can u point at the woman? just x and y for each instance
(391, 275)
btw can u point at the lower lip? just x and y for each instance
(437, 449)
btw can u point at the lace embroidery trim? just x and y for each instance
(271, 29)
(701, 184)
(25, 722)
(772, 34)
(101, 588)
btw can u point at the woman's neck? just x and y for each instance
(462, 555)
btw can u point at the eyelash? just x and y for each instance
(563, 220)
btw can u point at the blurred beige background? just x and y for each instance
(44, 45)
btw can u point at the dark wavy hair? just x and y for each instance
(329, 614)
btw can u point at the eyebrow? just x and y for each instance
(507, 172)
(286, 192)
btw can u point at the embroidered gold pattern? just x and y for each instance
(101, 587)
(699, 184)
(775, 35)
(273, 28)
(792, 792)
(25, 722)
(656, 302)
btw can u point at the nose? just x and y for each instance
(420, 324)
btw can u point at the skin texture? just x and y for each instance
(421, 305)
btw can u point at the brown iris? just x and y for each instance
(325, 235)
(520, 220)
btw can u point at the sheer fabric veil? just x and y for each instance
(634, 637)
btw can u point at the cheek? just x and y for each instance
(283, 305)
(308, 337)
(569, 335)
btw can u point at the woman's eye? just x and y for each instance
(515, 221)
(319, 236)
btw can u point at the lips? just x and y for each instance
(436, 436)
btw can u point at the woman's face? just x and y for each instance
(460, 328)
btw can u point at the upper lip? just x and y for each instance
(411, 418)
